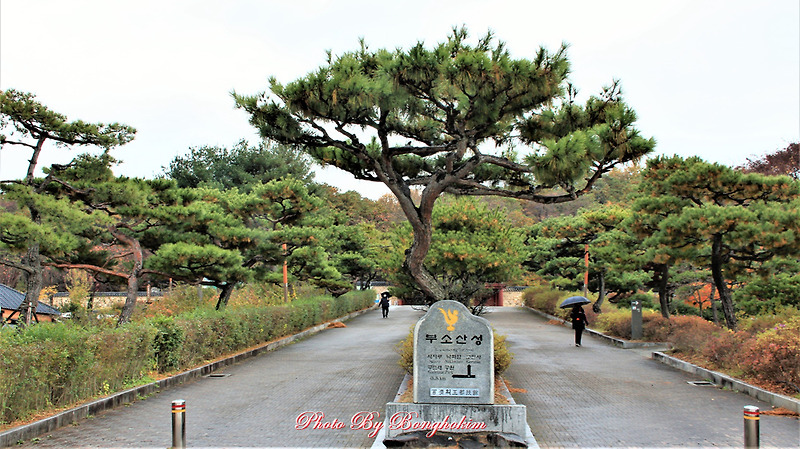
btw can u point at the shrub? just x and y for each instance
(257, 294)
(690, 333)
(774, 355)
(655, 327)
(180, 299)
(615, 322)
(760, 323)
(167, 342)
(543, 298)
(722, 350)
(502, 356)
(54, 365)
(406, 350)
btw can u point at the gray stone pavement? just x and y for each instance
(594, 396)
(602, 396)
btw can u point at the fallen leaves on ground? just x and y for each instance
(780, 411)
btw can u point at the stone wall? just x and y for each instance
(512, 299)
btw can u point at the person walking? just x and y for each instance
(385, 304)
(578, 317)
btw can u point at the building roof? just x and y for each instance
(11, 299)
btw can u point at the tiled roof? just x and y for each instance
(11, 299)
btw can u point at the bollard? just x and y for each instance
(179, 423)
(751, 430)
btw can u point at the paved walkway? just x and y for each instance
(602, 396)
(593, 396)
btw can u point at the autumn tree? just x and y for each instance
(617, 187)
(456, 118)
(28, 125)
(785, 161)
(721, 219)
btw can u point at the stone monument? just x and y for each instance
(453, 357)
(453, 380)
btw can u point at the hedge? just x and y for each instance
(52, 366)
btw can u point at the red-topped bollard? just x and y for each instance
(751, 427)
(179, 423)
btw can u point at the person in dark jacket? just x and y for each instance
(578, 322)
(385, 304)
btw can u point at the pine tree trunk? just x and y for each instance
(33, 285)
(663, 289)
(131, 297)
(133, 278)
(225, 295)
(717, 259)
(714, 312)
(601, 296)
(415, 257)
(34, 276)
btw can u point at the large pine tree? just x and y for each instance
(458, 117)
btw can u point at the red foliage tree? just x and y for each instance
(781, 162)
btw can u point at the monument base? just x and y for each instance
(407, 421)
(405, 417)
(444, 440)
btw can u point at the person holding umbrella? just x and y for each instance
(578, 322)
(577, 315)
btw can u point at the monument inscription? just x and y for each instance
(453, 356)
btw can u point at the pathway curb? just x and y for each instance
(725, 381)
(26, 432)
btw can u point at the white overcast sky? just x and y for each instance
(715, 78)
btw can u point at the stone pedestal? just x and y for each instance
(407, 417)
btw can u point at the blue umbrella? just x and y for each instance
(574, 301)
